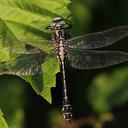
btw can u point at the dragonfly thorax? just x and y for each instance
(60, 41)
(60, 34)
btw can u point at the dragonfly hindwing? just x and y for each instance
(91, 59)
(25, 64)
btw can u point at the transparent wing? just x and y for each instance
(26, 64)
(99, 39)
(28, 49)
(19, 46)
(90, 59)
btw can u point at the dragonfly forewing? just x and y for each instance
(19, 45)
(99, 39)
(91, 59)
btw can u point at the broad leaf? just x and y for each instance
(3, 123)
(50, 67)
(27, 19)
(35, 14)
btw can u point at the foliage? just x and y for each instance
(28, 19)
(109, 90)
(12, 101)
(3, 124)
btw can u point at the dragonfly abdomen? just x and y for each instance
(61, 47)
(67, 112)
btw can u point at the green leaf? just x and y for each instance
(4, 54)
(109, 90)
(42, 83)
(38, 84)
(51, 67)
(28, 19)
(3, 123)
(34, 14)
(48, 80)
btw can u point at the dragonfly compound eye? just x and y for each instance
(53, 24)
(62, 22)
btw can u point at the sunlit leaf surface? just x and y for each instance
(3, 123)
(25, 19)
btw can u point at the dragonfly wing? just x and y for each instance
(26, 49)
(19, 46)
(26, 64)
(90, 59)
(99, 39)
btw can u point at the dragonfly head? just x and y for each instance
(58, 23)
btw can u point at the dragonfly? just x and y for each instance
(82, 52)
